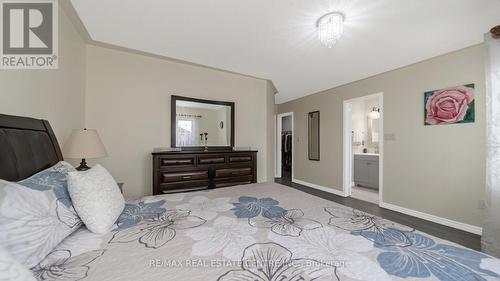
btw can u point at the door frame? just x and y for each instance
(279, 127)
(347, 145)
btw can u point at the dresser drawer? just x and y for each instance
(178, 161)
(191, 170)
(192, 185)
(239, 159)
(211, 160)
(183, 176)
(232, 172)
(233, 181)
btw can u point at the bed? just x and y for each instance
(253, 232)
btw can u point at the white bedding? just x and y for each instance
(258, 232)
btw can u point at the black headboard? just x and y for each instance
(27, 146)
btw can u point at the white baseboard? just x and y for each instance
(451, 223)
(319, 187)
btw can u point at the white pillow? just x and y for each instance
(36, 214)
(96, 197)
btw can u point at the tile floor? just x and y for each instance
(365, 194)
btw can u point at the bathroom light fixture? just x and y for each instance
(330, 28)
(375, 113)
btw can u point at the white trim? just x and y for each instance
(451, 223)
(447, 222)
(347, 146)
(381, 149)
(323, 188)
(279, 127)
(275, 139)
(347, 151)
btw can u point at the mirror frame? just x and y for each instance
(173, 115)
(309, 133)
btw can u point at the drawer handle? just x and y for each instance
(176, 162)
(186, 177)
(241, 159)
(212, 161)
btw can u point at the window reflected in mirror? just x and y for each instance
(202, 124)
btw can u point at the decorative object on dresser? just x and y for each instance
(175, 171)
(84, 144)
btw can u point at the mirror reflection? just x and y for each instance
(202, 124)
(313, 135)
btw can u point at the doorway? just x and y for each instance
(284, 149)
(363, 148)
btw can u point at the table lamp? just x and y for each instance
(84, 144)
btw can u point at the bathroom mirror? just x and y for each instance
(313, 135)
(197, 124)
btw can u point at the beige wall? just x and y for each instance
(439, 170)
(128, 102)
(55, 95)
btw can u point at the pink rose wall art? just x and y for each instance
(450, 106)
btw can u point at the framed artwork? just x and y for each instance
(450, 106)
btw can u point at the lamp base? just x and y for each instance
(83, 166)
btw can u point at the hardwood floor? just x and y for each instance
(463, 238)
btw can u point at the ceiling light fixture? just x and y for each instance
(330, 28)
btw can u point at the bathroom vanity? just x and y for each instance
(366, 170)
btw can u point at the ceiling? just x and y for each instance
(276, 39)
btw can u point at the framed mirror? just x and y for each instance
(198, 124)
(313, 135)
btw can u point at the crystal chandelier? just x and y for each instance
(330, 28)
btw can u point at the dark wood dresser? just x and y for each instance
(181, 171)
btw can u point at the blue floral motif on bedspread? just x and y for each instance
(134, 213)
(251, 207)
(424, 257)
(55, 179)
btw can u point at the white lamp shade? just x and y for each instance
(84, 144)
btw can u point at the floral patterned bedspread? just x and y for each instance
(258, 232)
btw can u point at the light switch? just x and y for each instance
(389, 137)
(481, 204)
